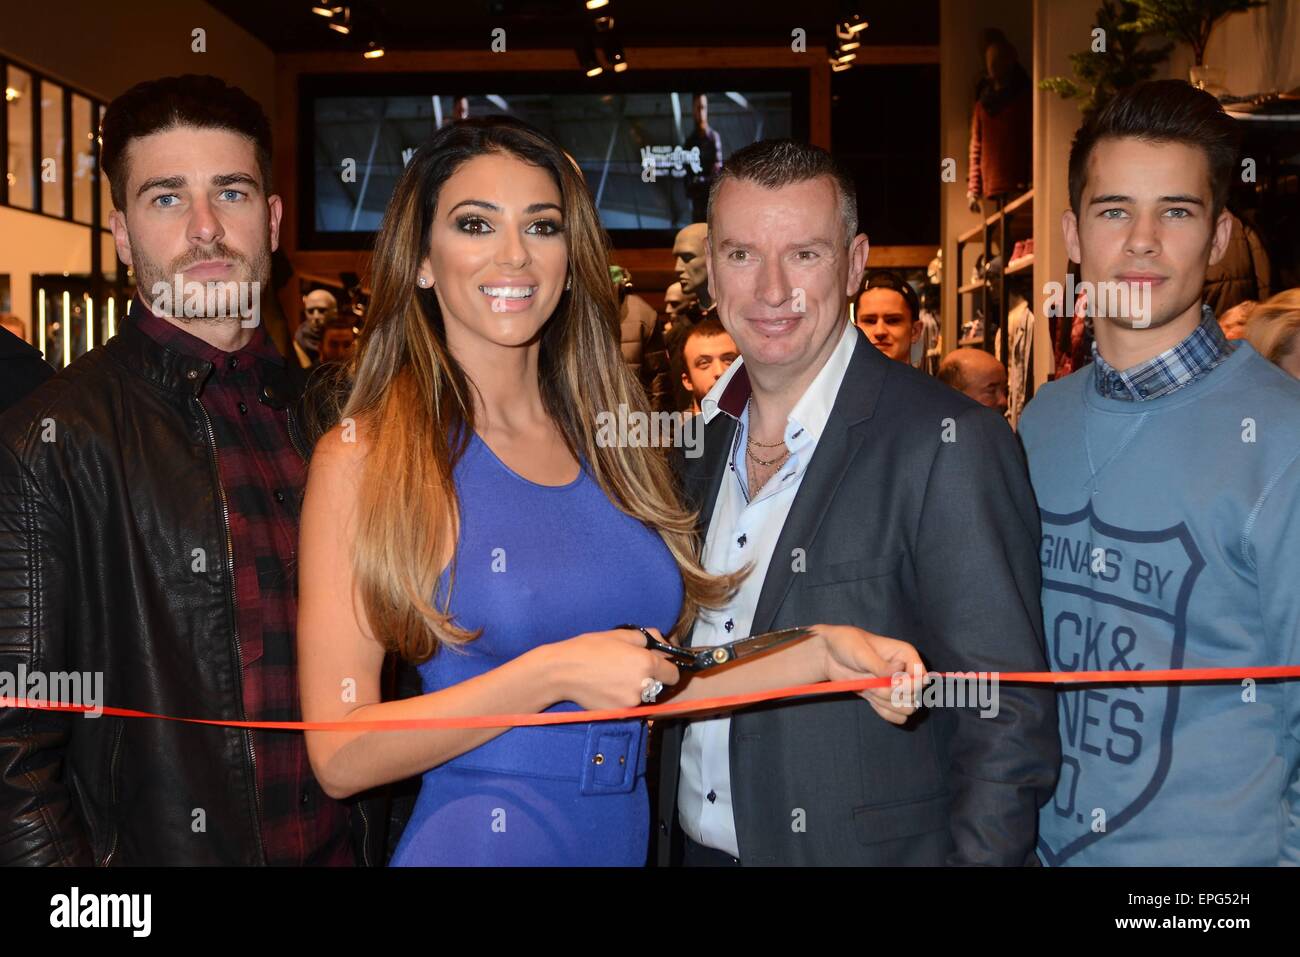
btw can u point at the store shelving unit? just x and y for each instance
(996, 236)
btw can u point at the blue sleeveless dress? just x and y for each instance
(538, 564)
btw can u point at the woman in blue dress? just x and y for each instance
(463, 514)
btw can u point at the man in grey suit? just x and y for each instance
(867, 495)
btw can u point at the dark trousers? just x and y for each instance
(697, 855)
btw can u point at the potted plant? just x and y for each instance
(1191, 21)
(1101, 73)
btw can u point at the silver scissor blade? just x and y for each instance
(754, 644)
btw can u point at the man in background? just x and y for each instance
(977, 374)
(674, 303)
(710, 146)
(319, 308)
(887, 310)
(707, 353)
(337, 341)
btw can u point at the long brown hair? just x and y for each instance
(1274, 326)
(413, 401)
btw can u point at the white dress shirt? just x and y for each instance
(742, 531)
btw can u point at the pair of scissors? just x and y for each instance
(698, 659)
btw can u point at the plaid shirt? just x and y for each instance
(1168, 372)
(262, 479)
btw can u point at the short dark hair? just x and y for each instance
(191, 100)
(889, 280)
(1162, 111)
(776, 163)
(707, 327)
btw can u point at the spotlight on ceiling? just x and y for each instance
(587, 57)
(597, 4)
(344, 24)
(373, 50)
(850, 27)
(322, 11)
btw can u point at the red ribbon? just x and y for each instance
(672, 709)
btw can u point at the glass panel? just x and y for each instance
(19, 167)
(51, 162)
(83, 159)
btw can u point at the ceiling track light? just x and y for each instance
(596, 4)
(850, 27)
(614, 53)
(344, 24)
(323, 11)
(374, 50)
(587, 57)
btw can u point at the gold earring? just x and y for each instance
(568, 283)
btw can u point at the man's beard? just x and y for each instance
(216, 304)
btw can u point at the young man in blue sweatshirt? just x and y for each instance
(1168, 480)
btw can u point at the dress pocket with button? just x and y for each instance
(613, 757)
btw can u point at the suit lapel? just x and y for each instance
(704, 476)
(718, 438)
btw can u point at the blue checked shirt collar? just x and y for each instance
(1168, 372)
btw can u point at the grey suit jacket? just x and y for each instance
(916, 521)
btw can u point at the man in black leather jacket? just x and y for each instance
(148, 531)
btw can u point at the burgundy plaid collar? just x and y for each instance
(173, 337)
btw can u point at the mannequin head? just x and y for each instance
(692, 271)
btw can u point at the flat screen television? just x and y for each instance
(357, 133)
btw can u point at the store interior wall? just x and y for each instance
(157, 33)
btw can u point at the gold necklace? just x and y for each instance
(767, 462)
(750, 438)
